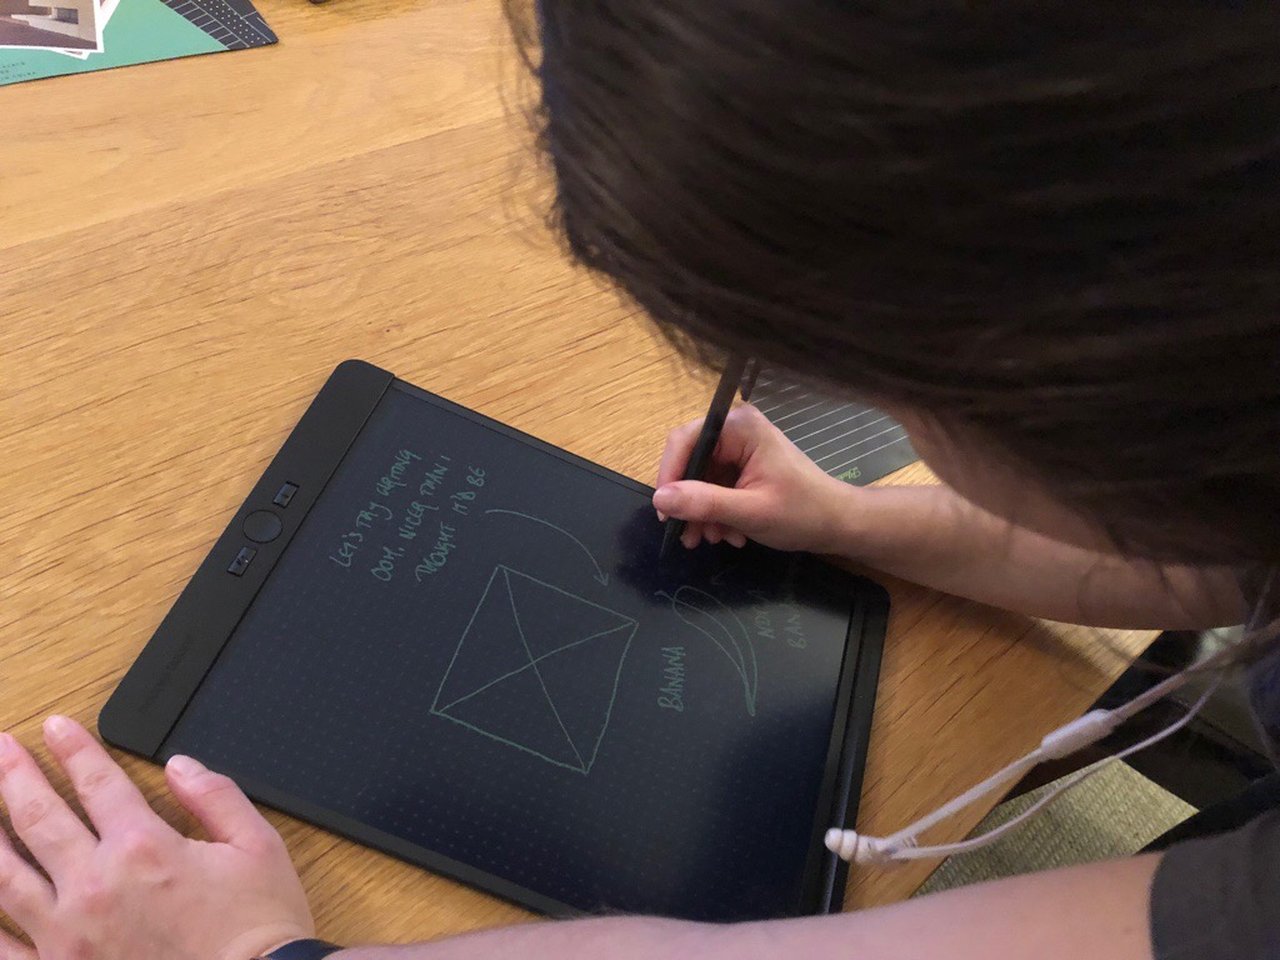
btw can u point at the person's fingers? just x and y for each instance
(106, 792)
(220, 806)
(12, 949)
(736, 537)
(25, 895)
(697, 502)
(713, 532)
(692, 535)
(675, 455)
(744, 429)
(56, 837)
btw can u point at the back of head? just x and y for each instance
(1050, 224)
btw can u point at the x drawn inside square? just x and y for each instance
(537, 669)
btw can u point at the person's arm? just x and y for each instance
(764, 488)
(1094, 912)
(133, 887)
(933, 536)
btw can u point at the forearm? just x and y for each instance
(1039, 915)
(931, 535)
(618, 938)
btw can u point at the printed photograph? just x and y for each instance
(73, 25)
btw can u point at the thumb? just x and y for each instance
(700, 502)
(220, 806)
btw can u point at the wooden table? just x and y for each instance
(187, 249)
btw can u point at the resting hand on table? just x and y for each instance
(759, 486)
(133, 887)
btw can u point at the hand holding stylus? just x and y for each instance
(758, 486)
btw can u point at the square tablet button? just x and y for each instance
(285, 494)
(241, 562)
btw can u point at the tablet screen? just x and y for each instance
(470, 646)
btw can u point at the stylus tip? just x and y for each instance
(670, 537)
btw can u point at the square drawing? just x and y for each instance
(537, 668)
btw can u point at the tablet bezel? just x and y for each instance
(150, 700)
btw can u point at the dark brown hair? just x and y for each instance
(1053, 226)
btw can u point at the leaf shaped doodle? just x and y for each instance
(707, 614)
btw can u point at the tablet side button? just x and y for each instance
(241, 562)
(285, 494)
(262, 526)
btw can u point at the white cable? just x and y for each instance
(1062, 742)
(1087, 730)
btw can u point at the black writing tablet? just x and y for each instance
(453, 642)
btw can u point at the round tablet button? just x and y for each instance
(262, 526)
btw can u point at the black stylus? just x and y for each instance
(708, 437)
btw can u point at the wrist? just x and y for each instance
(843, 521)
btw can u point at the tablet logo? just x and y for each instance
(537, 669)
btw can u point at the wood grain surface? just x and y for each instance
(187, 249)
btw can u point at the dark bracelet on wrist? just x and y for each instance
(302, 950)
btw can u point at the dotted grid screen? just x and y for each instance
(470, 645)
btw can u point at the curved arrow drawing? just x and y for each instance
(718, 579)
(723, 637)
(600, 576)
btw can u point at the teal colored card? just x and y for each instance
(132, 31)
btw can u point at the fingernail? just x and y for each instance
(665, 499)
(7, 746)
(662, 517)
(184, 767)
(56, 727)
